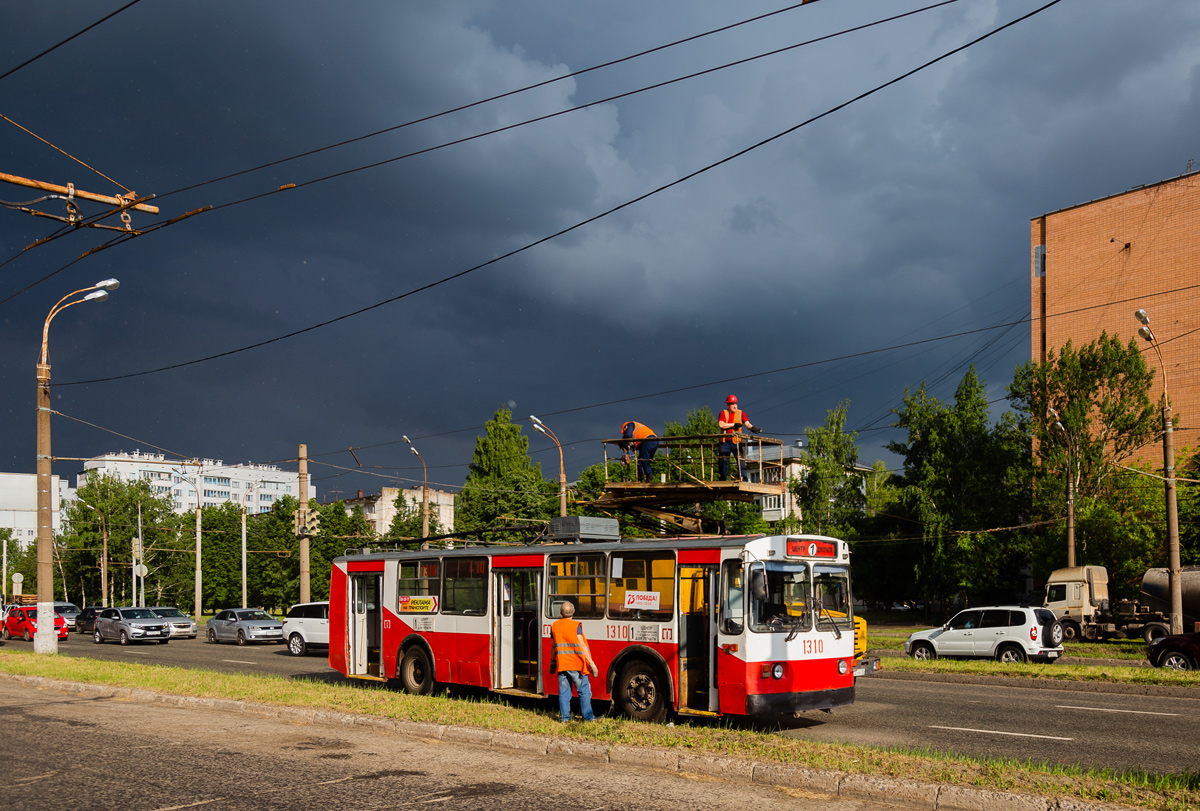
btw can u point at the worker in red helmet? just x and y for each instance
(731, 421)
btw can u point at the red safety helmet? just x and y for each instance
(731, 399)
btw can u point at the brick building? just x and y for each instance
(1095, 263)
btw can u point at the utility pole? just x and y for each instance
(302, 524)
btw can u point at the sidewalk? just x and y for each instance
(843, 785)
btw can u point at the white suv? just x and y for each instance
(306, 624)
(1007, 633)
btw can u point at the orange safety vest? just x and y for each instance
(734, 416)
(639, 431)
(569, 645)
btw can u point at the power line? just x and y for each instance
(445, 144)
(678, 181)
(30, 61)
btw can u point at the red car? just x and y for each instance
(22, 622)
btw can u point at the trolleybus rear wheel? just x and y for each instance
(639, 692)
(416, 672)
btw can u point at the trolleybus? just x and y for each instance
(747, 625)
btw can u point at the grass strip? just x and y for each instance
(727, 738)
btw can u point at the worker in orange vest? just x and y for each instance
(645, 441)
(569, 657)
(730, 422)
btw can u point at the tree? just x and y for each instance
(503, 483)
(109, 506)
(966, 482)
(829, 491)
(1100, 394)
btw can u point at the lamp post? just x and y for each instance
(1070, 492)
(538, 425)
(45, 640)
(249, 492)
(104, 600)
(199, 579)
(1174, 568)
(424, 493)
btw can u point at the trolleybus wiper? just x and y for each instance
(823, 612)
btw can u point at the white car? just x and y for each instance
(1007, 633)
(305, 625)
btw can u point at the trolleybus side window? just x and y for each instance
(579, 579)
(419, 586)
(642, 586)
(465, 586)
(779, 597)
(733, 607)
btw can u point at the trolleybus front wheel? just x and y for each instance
(639, 692)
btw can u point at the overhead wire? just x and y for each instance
(55, 47)
(633, 201)
(466, 139)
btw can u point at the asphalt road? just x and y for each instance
(66, 751)
(1061, 726)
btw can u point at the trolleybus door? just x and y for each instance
(366, 625)
(516, 635)
(697, 637)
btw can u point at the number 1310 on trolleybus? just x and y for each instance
(747, 625)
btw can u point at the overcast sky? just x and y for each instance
(812, 269)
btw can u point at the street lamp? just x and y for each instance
(424, 492)
(1070, 492)
(250, 492)
(104, 599)
(45, 640)
(199, 578)
(538, 425)
(1174, 569)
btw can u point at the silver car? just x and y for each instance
(1008, 633)
(244, 625)
(68, 611)
(131, 625)
(181, 624)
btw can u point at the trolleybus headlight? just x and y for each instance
(777, 672)
(842, 667)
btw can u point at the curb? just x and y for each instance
(876, 788)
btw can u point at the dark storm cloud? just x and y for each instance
(901, 218)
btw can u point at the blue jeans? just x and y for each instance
(646, 450)
(566, 679)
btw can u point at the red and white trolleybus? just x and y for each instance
(748, 625)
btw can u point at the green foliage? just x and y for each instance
(829, 492)
(1100, 393)
(113, 512)
(503, 484)
(964, 481)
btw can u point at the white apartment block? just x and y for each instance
(380, 508)
(209, 481)
(18, 504)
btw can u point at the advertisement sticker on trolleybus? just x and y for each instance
(419, 605)
(644, 600)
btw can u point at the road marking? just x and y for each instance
(998, 732)
(1105, 709)
(238, 662)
